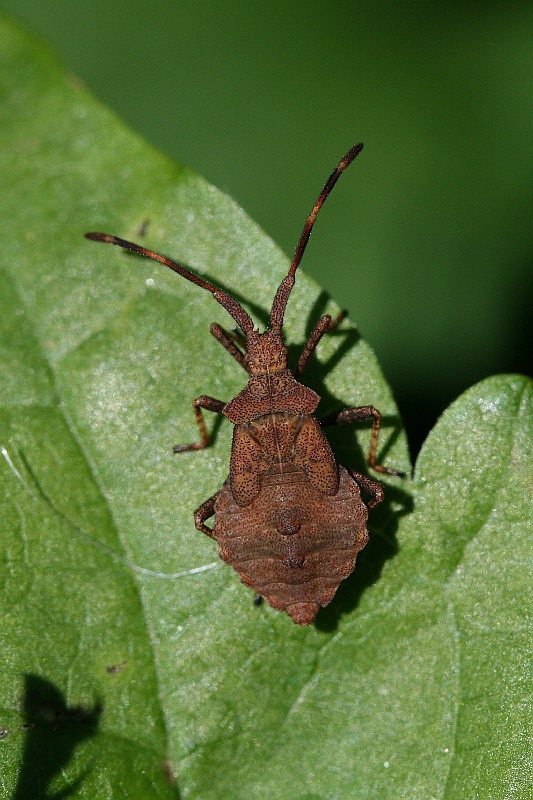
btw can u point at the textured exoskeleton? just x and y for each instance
(293, 544)
(288, 519)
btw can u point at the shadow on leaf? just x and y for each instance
(53, 731)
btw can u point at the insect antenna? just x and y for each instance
(232, 306)
(285, 287)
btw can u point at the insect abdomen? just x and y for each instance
(293, 544)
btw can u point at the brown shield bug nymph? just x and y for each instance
(289, 519)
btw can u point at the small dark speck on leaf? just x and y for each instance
(169, 772)
(114, 669)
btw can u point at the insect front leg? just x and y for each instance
(210, 404)
(324, 325)
(347, 415)
(203, 512)
(226, 341)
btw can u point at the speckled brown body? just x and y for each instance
(293, 544)
(289, 519)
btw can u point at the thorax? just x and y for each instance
(277, 392)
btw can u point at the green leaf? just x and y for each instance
(121, 664)
(473, 489)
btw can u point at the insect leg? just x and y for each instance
(210, 404)
(347, 415)
(324, 325)
(226, 341)
(203, 512)
(372, 487)
(237, 337)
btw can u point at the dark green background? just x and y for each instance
(426, 240)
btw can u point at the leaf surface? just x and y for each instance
(123, 665)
